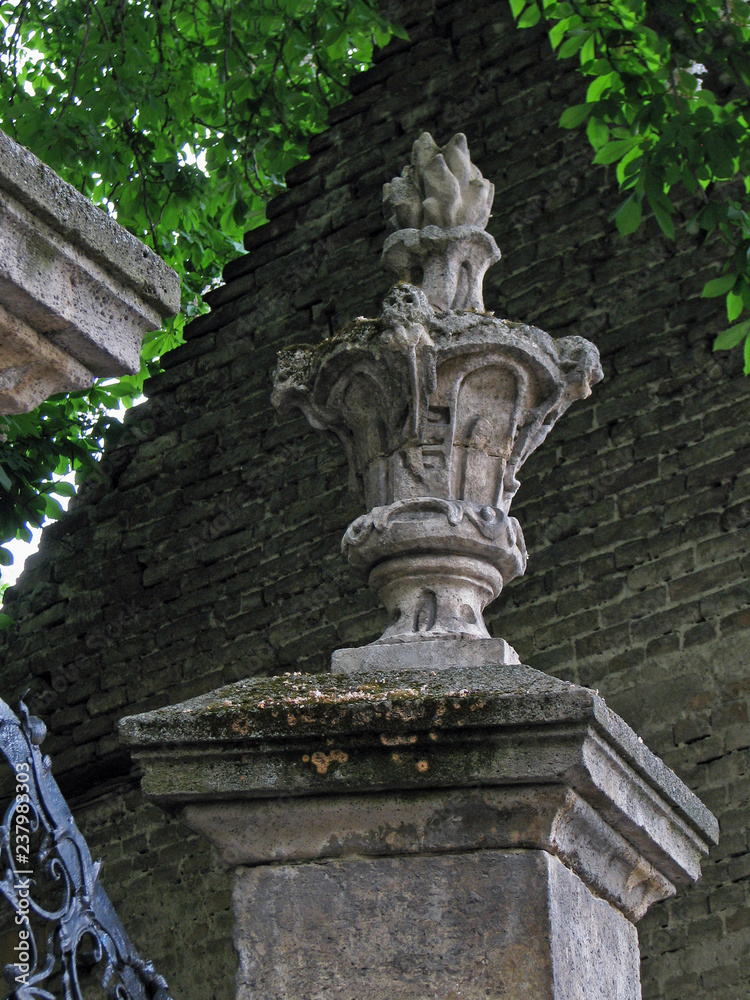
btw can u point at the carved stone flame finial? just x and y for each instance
(441, 187)
(439, 207)
(437, 405)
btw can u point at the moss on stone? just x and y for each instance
(319, 703)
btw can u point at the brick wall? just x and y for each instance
(211, 549)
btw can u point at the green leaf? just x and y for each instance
(52, 509)
(571, 45)
(718, 286)
(597, 132)
(588, 51)
(728, 339)
(747, 356)
(628, 216)
(557, 31)
(6, 621)
(572, 117)
(614, 150)
(662, 217)
(5, 480)
(517, 7)
(719, 155)
(64, 489)
(531, 16)
(6, 557)
(600, 84)
(629, 168)
(735, 306)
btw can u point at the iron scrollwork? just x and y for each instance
(40, 842)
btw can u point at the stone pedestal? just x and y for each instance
(433, 819)
(483, 834)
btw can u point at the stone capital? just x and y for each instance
(307, 767)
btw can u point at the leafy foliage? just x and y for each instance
(181, 117)
(669, 103)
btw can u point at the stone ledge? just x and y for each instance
(47, 196)
(252, 711)
(33, 368)
(78, 291)
(545, 817)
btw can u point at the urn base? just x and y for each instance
(435, 596)
(436, 564)
(427, 657)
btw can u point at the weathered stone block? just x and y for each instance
(493, 924)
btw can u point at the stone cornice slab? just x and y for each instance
(78, 291)
(305, 735)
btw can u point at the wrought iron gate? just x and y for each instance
(74, 925)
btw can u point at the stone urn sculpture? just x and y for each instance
(438, 404)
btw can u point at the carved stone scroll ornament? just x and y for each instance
(437, 406)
